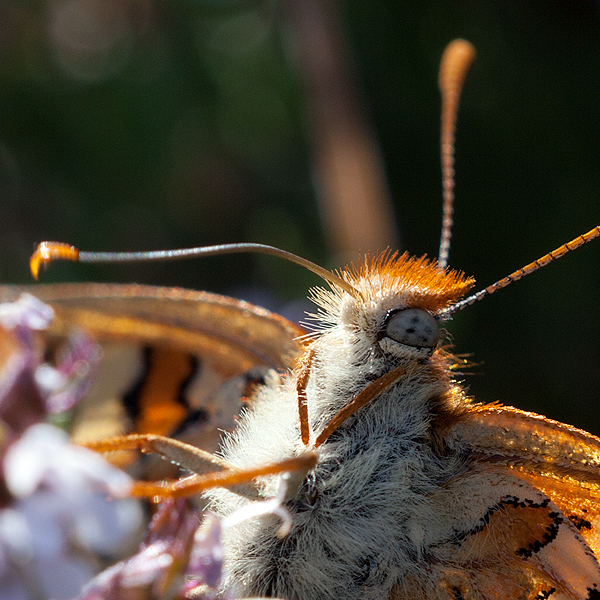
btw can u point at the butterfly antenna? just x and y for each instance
(527, 270)
(456, 61)
(46, 252)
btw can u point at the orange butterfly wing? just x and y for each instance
(238, 334)
(504, 434)
(213, 343)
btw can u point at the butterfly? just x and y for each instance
(402, 487)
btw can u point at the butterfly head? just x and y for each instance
(397, 302)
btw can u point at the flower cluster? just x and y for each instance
(56, 513)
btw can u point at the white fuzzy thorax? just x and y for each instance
(358, 517)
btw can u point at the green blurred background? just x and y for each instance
(147, 124)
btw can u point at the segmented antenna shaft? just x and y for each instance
(526, 270)
(456, 61)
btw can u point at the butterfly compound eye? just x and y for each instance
(413, 327)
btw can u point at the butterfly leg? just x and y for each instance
(189, 457)
(209, 470)
(365, 396)
(229, 479)
(302, 376)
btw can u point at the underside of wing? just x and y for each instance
(578, 500)
(493, 535)
(539, 537)
(508, 436)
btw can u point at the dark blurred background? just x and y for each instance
(148, 124)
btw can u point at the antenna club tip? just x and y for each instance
(456, 61)
(49, 251)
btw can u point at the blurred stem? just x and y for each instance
(346, 162)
